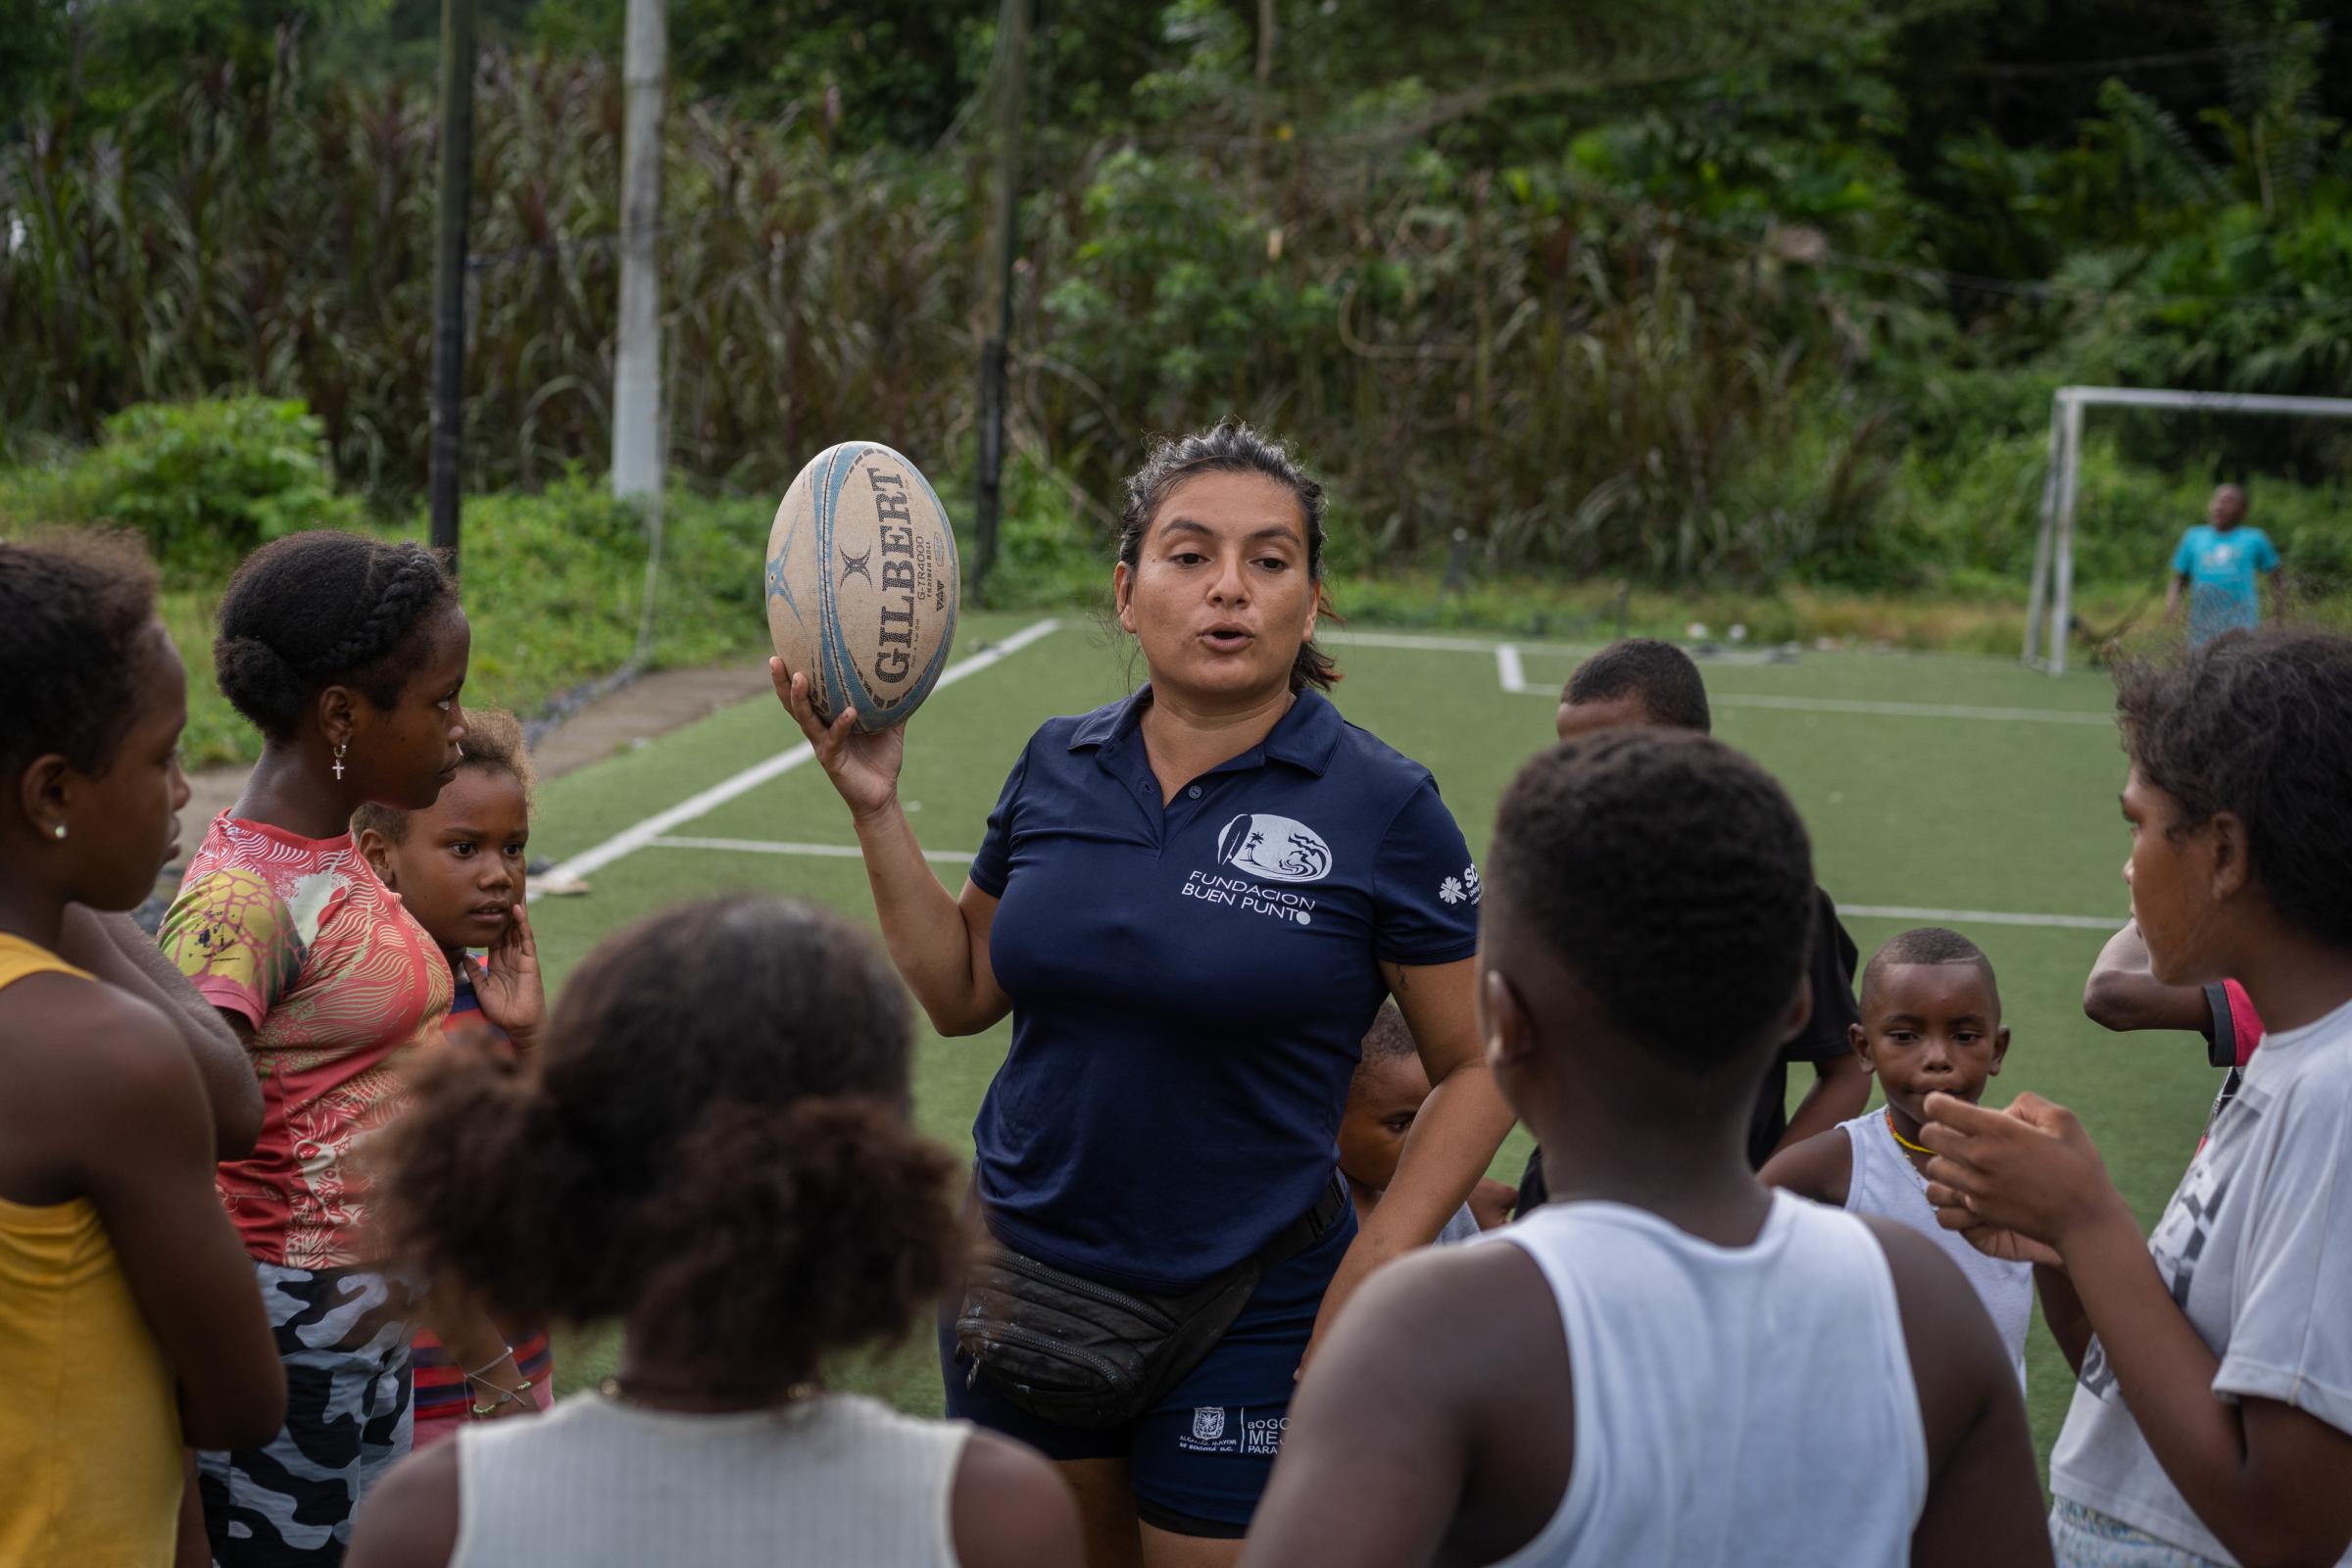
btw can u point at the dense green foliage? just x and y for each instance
(202, 482)
(1691, 292)
(554, 579)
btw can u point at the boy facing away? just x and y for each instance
(1640, 681)
(1931, 1024)
(1668, 1357)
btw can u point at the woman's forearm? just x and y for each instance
(1452, 1142)
(924, 926)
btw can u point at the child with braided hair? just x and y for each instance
(348, 654)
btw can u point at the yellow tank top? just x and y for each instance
(90, 1429)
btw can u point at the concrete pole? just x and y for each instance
(637, 425)
(1013, 46)
(448, 273)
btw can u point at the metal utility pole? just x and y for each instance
(449, 270)
(1012, 58)
(637, 455)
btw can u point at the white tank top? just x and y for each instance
(836, 1480)
(1715, 1387)
(1884, 1183)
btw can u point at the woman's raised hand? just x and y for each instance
(864, 767)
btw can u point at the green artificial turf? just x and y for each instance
(1935, 812)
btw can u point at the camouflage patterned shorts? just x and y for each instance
(343, 1335)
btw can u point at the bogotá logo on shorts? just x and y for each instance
(1208, 1423)
(1274, 846)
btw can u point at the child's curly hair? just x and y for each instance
(716, 1151)
(2258, 724)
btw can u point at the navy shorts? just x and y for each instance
(1200, 1458)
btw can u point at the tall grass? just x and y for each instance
(282, 240)
(1506, 351)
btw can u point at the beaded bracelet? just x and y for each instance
(506, 1396)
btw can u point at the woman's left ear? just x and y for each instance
(1122, 595)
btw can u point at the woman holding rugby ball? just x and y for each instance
(1191, 902)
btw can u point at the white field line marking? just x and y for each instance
(1510, 674)
(1849, 705)
(830, 852)
(1508, 668)
(631, 839)
(1426, 643)
(2068, 923)
(1880, 911)
(1842, 705)
(1433, 645)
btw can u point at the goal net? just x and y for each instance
(2049, 609)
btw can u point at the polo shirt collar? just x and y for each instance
(1305, 737)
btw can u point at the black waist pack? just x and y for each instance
(1085, 1354)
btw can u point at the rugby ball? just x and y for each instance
(862, 582)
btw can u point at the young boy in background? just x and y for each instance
(1931, 1023)
(1383, 1098)
(1662, 1365)
(2219, 566)
(1640, 681)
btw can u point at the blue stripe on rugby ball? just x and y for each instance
(833, 658)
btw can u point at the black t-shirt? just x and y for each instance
(1823, 1039)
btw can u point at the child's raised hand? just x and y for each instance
(508, 988)
(2010, 1246)
(2028, 1178)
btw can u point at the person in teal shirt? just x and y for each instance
(2216, 563)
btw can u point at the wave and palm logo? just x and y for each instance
(1274, 846)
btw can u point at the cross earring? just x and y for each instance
(340, 748)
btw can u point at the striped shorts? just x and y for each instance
(343, 1335)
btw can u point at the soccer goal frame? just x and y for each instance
(2053, 589)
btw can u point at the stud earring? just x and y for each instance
(58, 831)
(340, 748)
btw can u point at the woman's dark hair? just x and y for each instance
(73, 611)
(320, 607)
(1229, 447)
(1672, 874)
(2258, 724)
(494, 744)
(716, 1151)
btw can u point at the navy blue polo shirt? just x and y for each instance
(1191, 979)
